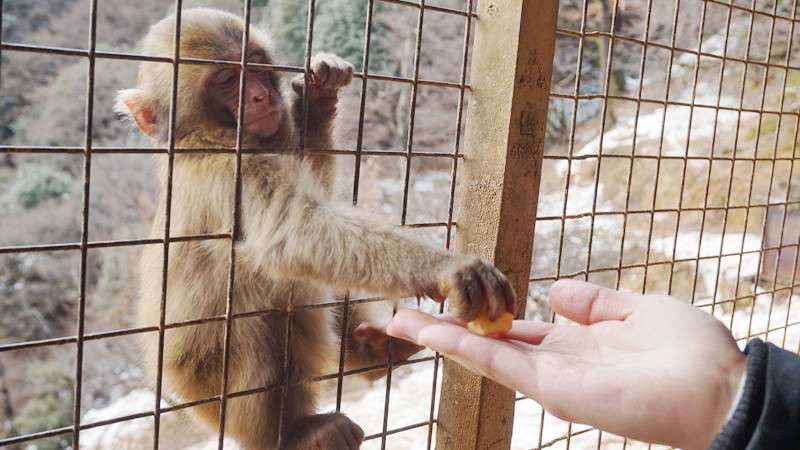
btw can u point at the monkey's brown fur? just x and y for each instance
(295, 243)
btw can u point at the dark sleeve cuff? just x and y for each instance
(768, 414)
(736, 433)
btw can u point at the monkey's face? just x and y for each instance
(207, 95)
(263, 105)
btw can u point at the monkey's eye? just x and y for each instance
(226, 77)
(268, 77)
(265, 75)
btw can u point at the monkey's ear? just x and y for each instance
(132, 103)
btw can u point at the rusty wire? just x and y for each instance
(575, 96)
(162, 317)
(84, 249)
(746, 292)
(170, 150)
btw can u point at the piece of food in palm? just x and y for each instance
(482, 326)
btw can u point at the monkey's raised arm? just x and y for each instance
(328, 75)
(297, 235)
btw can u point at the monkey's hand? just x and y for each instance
(327, 75)
(474, 286)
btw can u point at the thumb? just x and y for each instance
(588, 303)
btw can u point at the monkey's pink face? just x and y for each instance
(263, 106)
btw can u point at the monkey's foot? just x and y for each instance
(369, 346)
(333, 431)
(373, 340)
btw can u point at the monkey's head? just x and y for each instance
(207, 95)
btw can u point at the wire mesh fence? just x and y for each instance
(405, 155)
(668, 167)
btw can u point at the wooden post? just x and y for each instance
(504, 143)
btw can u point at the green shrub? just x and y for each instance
(50, 410)
(35, 184)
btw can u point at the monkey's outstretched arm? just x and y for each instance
(302, 237)
(296, 235)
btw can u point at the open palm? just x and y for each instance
(647, 367)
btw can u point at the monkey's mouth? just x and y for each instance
(264, 124)
(270, 115)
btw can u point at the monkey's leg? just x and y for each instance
(260, 421)
(253, 421)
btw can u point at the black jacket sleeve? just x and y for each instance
(768, 413)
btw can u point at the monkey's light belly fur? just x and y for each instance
(482, 326)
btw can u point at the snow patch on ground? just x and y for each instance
(730, 268)
(652, 127)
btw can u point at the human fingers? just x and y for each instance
(529, 331)
(503, 361)
(587, 303)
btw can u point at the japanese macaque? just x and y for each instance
(294, 243)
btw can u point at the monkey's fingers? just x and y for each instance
(439, 297)
(319, 72)
(496, 318)
(502, 292)
(438, 293)
(475, 286)
(330, 71)
(495, 303)
(465, 291)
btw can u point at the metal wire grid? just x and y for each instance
(229, 317)
(562, 219)
(786, 118)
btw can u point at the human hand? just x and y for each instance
(647, 367)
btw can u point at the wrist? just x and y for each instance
(738, 429)
(738, 394)
(729, 387)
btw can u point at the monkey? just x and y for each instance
(294, 242)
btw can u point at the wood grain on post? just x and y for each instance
(503, 147)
